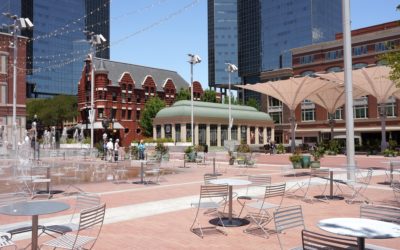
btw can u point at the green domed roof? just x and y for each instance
(215, 110)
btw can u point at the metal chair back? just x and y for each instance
(208, 178)
(274, 190)
(214, 191)
(379, 212)
(316, 241)
(288, 217)
(259, 180)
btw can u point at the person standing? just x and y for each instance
(116, 150)
(141, 148)
(110, 149)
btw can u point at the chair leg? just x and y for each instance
(260, 220)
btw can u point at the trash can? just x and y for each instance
(305, 161)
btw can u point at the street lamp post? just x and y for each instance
(231, 68)
(94, 41)
(193, 59)
(19, 24)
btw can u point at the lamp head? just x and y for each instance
(194, 59)
(231, 67)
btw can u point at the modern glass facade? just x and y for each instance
(222, 41)
(58, 45)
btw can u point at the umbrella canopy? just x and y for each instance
(292, 91)
(334, 98)
(372, 80)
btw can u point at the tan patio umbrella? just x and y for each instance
(291, 92)
(374, 81)
(332, 100)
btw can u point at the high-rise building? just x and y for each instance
(268, 29)
(222, 41)
(57, 44)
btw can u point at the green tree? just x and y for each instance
(209, 95)
(53, 112)
(151, 108)
(183, 94)
(253, 103)
(234, 101)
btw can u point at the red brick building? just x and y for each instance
(6, 87)
(120, 93)
(312, 120)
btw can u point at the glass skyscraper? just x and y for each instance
(58, 44)
(222, 41)
(268, 29)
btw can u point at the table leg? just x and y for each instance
(35, 221)
(361, 243)
(230, 204)
(331, 184)
(141, 173)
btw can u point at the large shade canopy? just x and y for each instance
(374, 81)
(291, 92)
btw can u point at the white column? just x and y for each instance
(219, 142)
(162, 131)
(173, 132)
(265, 138)
(239, 133)
(196, 134)
(272, 134)
(208, 135)
(248, 135)
(154, 132)
(257, 141)
(183, 132)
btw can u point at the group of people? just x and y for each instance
(111, 150)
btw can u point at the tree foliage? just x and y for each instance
(234, 101)
(53, 112)
(209, 95)
(253, 103)
(151, 108)
(183, 94)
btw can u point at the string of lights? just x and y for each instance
(81, 57)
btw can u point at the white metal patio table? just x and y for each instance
(360, 228)
(34, 209)
(230, 221)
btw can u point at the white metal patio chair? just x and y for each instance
(396, 192)
(359, 186)
(120, 172)
(210, 196)
(380, 212)
(288, 218)
(393, 172)
(83, 201)
(316, 241)
(257, 182)
(257, 212)
(90, 224)
(318, 178)
(208, 178)
(294, 184)
(6, 242)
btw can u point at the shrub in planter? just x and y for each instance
(390, 153)
(280, 149)
(317, 154)
(296, 160)
(190, 154)
(243, 148)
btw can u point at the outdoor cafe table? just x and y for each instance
(231, 222)
(331, 181)
(360, 228)
(34, 209)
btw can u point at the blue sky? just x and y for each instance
(160, 33)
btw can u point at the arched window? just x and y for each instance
(123, 87)
(359, 65)
(308, 72)
(334, 69)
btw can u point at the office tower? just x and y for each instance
(222, 41)
(57, 43)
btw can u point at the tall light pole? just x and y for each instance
(19, 24)
(193, 59)
(348, 82)
(230, 68)
(94, 41)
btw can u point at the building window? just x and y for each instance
(360, 50)
(123, 97)
(129, 97)
(113, 113)
(359, 65)
(123, 114)
(100, 113)
(334, 69)
(123, 87)
(138, 100)
(383, 46)
(307, 73)
(308, 114)
(129, 114)
(3, 64)
(360, 112)
(137, 114)
(130, 87)
(3, 93)
(333, 55)
(338, 114)
(307, 59)
(139, 131)
(114, 96)
(276, 117)
(390, 107)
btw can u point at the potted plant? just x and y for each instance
(317, 154)
(190, 154)
(296, 160)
